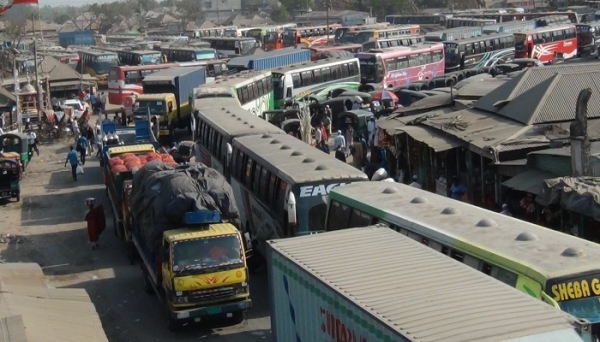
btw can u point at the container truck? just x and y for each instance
(372, 284)
(167, 97)
(76, 38)
(270, 60)
(192, 253)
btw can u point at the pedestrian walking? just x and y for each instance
(89, 134)
(82, 146)
(349, 138)
(339, 140)
(339, 153)
(72, 159)
(32, 141)
(96, 221)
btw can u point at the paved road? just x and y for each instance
(50, 230)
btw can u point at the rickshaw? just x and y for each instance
(358, 119)
(10, 179)
(16, 143)
(292, 127)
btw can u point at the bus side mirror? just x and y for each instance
(291, 206)
(229, 153)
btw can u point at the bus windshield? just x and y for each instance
(520, 45)
(585, 36)
(154, 106)
(578, 296)
(452, 56)
(151, 59)
(363, 37)
(369, 70)
(245, 46)
(271, 37)
(223, 252)
(278, 87)
(103, 63)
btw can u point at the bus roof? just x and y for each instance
(335, 47)
(313, 64)
(141, 52)
(295, 161)
(98, 52)
(532, 250)
(232, 121)
(478, 38)
(144, 67)
(547, 29)
(238, 78)
(401, 50)
(419, 293)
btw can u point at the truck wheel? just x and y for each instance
(147, 286)
(172, 323)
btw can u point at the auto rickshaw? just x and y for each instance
(10, 179)
(17, 143)
(358, 119)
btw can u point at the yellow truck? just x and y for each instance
(167, 96)
(193, 255)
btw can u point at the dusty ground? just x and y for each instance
(47, 227)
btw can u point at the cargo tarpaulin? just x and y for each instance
(162, 194)
(577, 194)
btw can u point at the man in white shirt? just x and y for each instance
(415, 184)
(318, 136)
(32, 141)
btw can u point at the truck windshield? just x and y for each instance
(207, 254)
(520, 45)
(155, 107)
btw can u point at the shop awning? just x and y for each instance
(438, 141)
(529, 181)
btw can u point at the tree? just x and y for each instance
(280, 14)
(16, 24)
(62, 18)
(142, 6)
(107, 15)
(186, 11)
(75, 13)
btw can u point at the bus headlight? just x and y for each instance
(181, 300)
(241, 290)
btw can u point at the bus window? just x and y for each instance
(316, 217)
(457, 255)
(256, 178)
(486, 268)
(507, 277)
(272, 190)
(339, 214)
(470, 261)
(280, 199)
(263, 185)
(248, 173)
(445, 250)
(414, 236)
(359, 219)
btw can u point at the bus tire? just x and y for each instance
(450, 82)
(439, 82)
(459, 76)
(470, 72)
(430, 85)
(492, 71)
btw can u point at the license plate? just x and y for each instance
(214, 311)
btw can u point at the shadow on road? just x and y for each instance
(56, 208)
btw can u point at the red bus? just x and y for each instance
(124, 81)
(301, 35)
(547, 44)
(323, 52)
(393, 67)
(274, 40)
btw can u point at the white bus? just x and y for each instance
(297, 81)
(208, 32)
(281, 185)
(557, 268)
(220, 119)
(253, 89)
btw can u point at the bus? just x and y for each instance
(139, 57)
(418, 19)
(125, 81)
(300, 35)
(588, 38)
(269, 174)
(345, 34)
(510, 27)
(237, 32)
(504, 17)
(461, 22)
(219, 120)
(547, 44)
(189, 54)
(208, 32)
(260, 34)
(274, 40)
(168, 38)
(401, 66)
(393, 42)
(253, 89)
(294, 82)
(557, 268)
(97, 64)
(363, 36)
(482, 51)
(453, 34)
(232, 46)
(323, 52)
(69, 58)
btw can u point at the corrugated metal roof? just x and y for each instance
(399, 118)
(554, 99)
(524, 81)
(167, 74)
(529, 181)
(479, 86)
(48, 315)
(428, 297)
(58, 71)
(244, 60)
(438, 141)
(296, 161)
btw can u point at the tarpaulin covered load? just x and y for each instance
(163, 193)
(578, 194)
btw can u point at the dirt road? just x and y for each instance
(47, 227)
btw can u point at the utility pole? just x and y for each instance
(37, 75)
(580, 143)
(327, 8)
(17, 90)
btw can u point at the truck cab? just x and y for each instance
(162, 109)
(200, 270)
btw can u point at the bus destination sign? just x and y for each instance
(575, 289)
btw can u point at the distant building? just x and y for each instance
(220, 9)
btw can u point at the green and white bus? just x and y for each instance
(253, 89)
(281, 185)
(559, 269)
(219, 120)
(294, 82)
